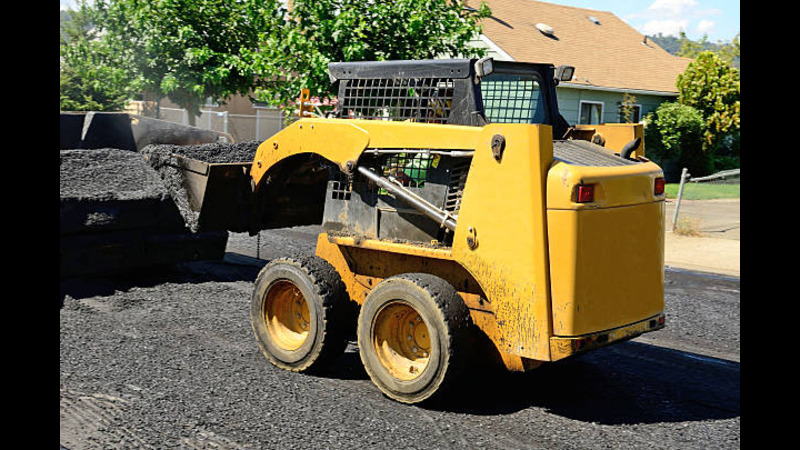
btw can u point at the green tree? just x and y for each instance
(689, 48)
(730, 52)
(712, 87)
(187, 50)
(90, 78)
(296, 54)
(674, 133)
(192, 50)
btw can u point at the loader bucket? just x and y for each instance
(218, 193)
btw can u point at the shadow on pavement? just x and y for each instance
(233, 267)
(629, 383)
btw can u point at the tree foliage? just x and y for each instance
(296, 54)
(675, 133)
(728, 52)
(683, 46)
(712, 87)
(689, 48)
(191, 50)
(186, 50)
(90, 78)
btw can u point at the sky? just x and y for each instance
(717, 19)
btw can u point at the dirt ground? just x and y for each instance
(713, 218)
(715, 247)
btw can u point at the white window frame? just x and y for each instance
(591, 102)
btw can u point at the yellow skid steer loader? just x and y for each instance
(454, 197)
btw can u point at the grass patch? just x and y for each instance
(703, 191)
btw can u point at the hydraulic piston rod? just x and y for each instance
(444, 218)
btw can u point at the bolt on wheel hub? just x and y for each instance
(401, 341)
(286, 315)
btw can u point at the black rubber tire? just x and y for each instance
(448, 324)
(328, 310)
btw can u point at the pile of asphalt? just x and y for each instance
(110, 189)
(210, 153)
(164, 159)
(107, 174)
(116, 214)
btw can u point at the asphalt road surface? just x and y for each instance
(168, 360)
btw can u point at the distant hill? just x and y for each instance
(669, 43)
(672, 44)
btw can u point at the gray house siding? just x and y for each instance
(570, 98)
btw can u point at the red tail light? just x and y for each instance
(584, 193)
(659, 186)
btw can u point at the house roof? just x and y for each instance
(605, 51)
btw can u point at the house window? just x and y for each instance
(636, 114)
(591, 112)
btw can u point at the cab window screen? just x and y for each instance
(512, 98)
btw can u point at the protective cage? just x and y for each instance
(447, 91)
(421, 91)
(421, 99)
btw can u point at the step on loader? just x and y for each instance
(455, 202)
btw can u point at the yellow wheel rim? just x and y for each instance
(286, 315)
(401, 341)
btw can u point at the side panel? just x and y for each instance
(363, 264)
(503, 211)
(606, 267)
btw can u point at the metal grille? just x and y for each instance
(419, 99)
(342, 186)
(512, 99)
(455, 188)
(585, 153)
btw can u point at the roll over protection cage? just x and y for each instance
(439, 91)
